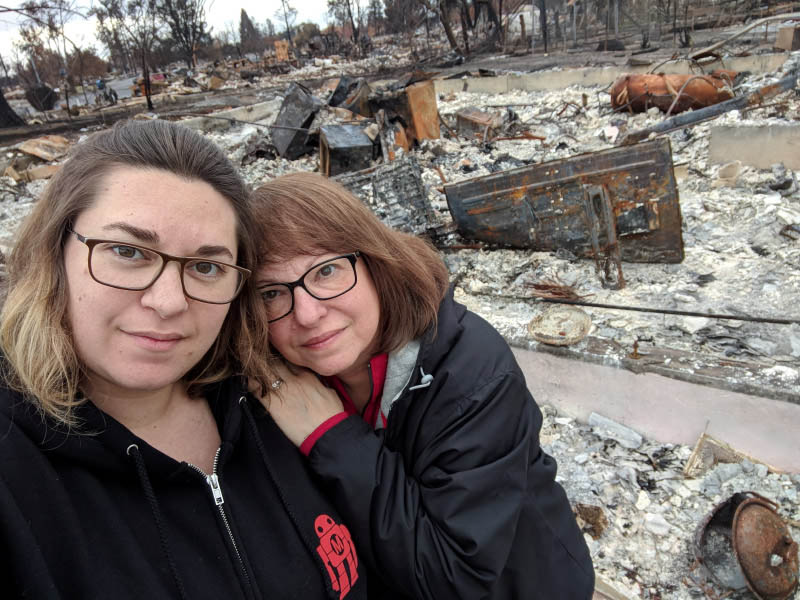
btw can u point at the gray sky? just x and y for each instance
(219, 13)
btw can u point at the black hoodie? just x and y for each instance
(101, 514)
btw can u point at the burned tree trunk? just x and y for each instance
(543, 22)
(8, 118)
(464, 32)
(448, 29)
(146, 77)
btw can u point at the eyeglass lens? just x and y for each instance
(134, 267)
(324, 281)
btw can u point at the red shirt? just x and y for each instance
(377, 370)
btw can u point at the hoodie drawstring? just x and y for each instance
(133, 451)
(425, 381)
(253, 426)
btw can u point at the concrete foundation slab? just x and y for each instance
(553, 80)
(664, 409)
(755, 145)
(252, 112)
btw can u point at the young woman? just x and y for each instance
(133, 463)
(430, 446)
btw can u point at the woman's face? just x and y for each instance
(129, 341)
(330, 337)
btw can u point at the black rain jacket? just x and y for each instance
(455, 499)
(101, 514)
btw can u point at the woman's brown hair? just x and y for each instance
(306, 213)
(40, 358)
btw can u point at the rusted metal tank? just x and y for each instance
(744, 544)
(679, 92)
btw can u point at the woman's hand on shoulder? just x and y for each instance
(299, 402)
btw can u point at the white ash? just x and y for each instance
(737, 263)
(652, 510)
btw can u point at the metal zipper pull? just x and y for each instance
(213, 482)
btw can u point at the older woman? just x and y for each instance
(133, 464)
(430, 446)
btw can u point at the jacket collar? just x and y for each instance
(409, 364)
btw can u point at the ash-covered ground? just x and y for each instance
(646, 512)
(736, 261)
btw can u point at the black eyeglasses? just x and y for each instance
(128, 266)
(327, 280)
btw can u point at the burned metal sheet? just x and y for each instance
(395, 193)
(543, 207)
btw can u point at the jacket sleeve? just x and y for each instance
(445, 528)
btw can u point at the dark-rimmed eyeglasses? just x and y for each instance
(127, 266)
(324, 281)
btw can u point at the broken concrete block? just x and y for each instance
(343, 148)
(290, 131)
(625, 436)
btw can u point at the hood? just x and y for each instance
(439, 340)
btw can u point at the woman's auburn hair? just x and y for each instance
(40, 360)
(306, 213)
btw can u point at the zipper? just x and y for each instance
(216, 493)
(371, 390)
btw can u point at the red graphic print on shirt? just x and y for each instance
(336, 549)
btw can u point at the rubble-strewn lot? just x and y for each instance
(736, 263)
(645, 513)
(649, 510)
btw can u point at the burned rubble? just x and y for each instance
(724, 287)
(736, 229)
(640, 512)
